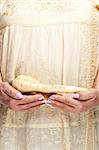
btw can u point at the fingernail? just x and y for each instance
(43, 102)
(19, 96)
(75, 95)
(41, 98)
(51, 97)
(49, 102)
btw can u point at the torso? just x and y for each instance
(36, 39)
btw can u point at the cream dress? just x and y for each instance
(55, 41)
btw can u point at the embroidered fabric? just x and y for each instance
(8, 7)
(52, 59)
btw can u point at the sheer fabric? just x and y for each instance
(56, 42)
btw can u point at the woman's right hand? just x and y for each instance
(14, 99)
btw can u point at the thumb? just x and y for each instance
(10, 91)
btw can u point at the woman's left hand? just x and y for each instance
(79, 102)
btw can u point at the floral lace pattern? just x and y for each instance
(8, 7)
(49, 48)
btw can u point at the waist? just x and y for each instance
(40, 19)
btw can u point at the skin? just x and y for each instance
(79, 102)
(10, 97)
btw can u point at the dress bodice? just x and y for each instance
(59, 46)
(44, 11)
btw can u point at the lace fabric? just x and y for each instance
(50, 55)
(8, 7)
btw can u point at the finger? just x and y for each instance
(62, 106)
(89, 104)
(30, 105)
(88, 95)
(64, 99)
(31, 98)
(9, 90)
(1, 85)
(4, 98)
(31, 109)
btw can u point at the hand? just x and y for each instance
(14, 100)
(79, 102)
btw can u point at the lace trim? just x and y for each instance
(89, 76)
(8, 7)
